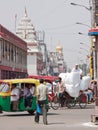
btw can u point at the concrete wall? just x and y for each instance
(32, 64)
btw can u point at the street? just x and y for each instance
(75, 118)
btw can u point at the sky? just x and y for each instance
(57, 18)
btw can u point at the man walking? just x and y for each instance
(42, 93)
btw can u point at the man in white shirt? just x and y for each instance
(77, 69)
(42, 93)
(29, 93)
(14, 97)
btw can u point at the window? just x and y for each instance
(4, 87)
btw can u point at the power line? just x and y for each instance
(51, 11)
(57, 33)
(60, 27)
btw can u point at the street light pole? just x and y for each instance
(80, 33)
(90, 9)
(84, 63)
(87, 58)
(94, 51)
(83, 24)
(84, 44)
(84, 49)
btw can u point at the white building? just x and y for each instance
(26, 31)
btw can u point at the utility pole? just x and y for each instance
(92, 40)
(94, 33)
(91, 66)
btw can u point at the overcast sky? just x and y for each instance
(57, 18)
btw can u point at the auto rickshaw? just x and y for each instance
(5, 95)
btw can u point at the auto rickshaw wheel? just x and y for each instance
(1, 109)
(31, 112)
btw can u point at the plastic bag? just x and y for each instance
(74, 78)
(84, 84)
(39, 109)
(73, 90)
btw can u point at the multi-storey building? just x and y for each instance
(13, 55)
(56, 61)
(40, 37)
(60, 59)
(26, 31)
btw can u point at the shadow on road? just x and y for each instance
(56, 123)
(89, 106)
(50, 113)
(53, 114)
(14, 115)
(23, 114)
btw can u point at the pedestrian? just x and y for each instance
(30, 94)
(91, 91)
(77, 69)
(15, 97)
(95, 90)
(42, 93)
(60, 88)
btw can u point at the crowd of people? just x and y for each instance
(28, 91)
(60, 89)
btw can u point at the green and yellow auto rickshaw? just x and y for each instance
(5, 94)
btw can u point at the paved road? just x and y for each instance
(66, 119)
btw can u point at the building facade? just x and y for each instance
(40, 37)
(13, 55)
(56, 62)
(26, 31)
